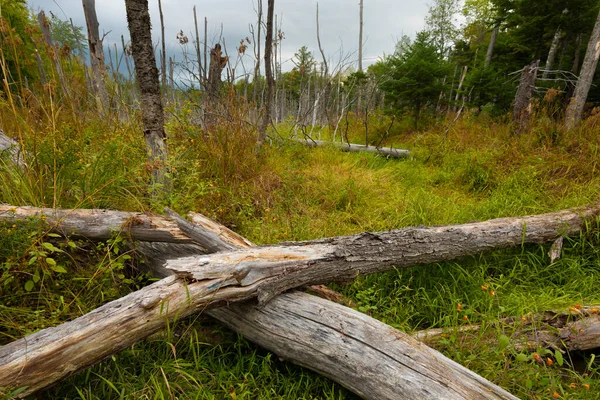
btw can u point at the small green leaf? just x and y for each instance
(529, 384)
(54, 235)
(522, 357)
(72, 245)
(48, 246)
(50, 261)
(29, 286)
(36, 276)
(59, 268)
(32, 260)
(559, 357)
(503, 342)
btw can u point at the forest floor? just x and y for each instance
(475, 170)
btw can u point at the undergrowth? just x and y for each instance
(469, 170)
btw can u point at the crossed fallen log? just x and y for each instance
(370, 358)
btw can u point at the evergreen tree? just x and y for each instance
(415, 77)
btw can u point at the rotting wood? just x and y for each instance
(351, 147)
(44, 357)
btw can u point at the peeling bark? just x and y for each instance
(201, 282)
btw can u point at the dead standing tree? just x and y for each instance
(262, 131)
(96, 53)
(588, 69)
(217, 63)
(522, 109)
(138, 19)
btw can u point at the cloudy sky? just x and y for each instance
(385, 21)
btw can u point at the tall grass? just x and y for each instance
(473, 169)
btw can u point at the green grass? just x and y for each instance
(476, 171)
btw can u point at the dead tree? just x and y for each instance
(138, 19)
(217, 279)
(522, 109)
(268, 104)
(217, 63)
(163, 54)
(96, 53)
(588, 69)
(198, 55)
(490, 50)
(552, 53)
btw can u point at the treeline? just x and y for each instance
(446, 68)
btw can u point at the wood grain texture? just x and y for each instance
(102, 224)
(368, 357)
(275, 269)
(42, 358)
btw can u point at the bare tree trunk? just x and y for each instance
(257, 53)
(96, 52)
(491, 45)
(588, 69)
(360, 56)
(205, 49)
(326, 82)
(360, 37)
(522, 109)
(217, 63)
(552, 53)
(198, 55)
(163, 56)
(460, 83)
(138, 19)
(262, 132)
(53, 51)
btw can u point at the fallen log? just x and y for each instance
(575, 329)
(366, 356)
(352, 147)
(42, 358)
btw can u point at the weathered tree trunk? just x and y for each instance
(588, 69)
(368, 357)
(217, 63)
(491, 45)
(42, 358)
(163, 55)
(460, 84)
(360, 57)
(198, 54)
(522, 109)
(146, 73)
(96, 53)
(256, 79)
(268, 104)
(552, 53)
(357, 345)
(205, 50)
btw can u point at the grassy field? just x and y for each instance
(471, 170)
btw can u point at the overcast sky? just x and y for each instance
(385, 21)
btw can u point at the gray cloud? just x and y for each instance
(384, 22)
